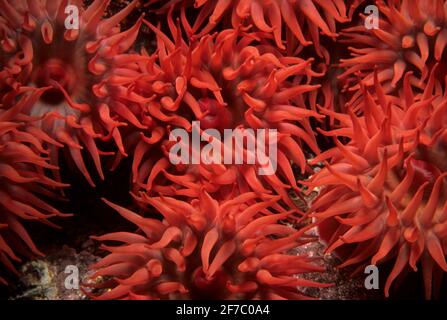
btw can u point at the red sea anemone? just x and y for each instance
(206, 250)
(290, 24)
(225, 81)
(23, 185)
(412, 36)
(384, 192)
(78, 70)
(80, 82)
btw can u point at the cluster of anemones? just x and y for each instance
(58, 91)
(227, 80)
(77, 88)
(215, 230)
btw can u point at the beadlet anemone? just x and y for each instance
(384, 192)
(23, 186)
(412, 36)
(77, 70)
(288, 24)
(204, 249)
(224, 231)
(224, 81)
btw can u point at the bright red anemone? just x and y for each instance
(288, 24)
(81, 99)
(383, 193)
(412, 36)
(236, 249)
(23, 186)
(225, 81)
